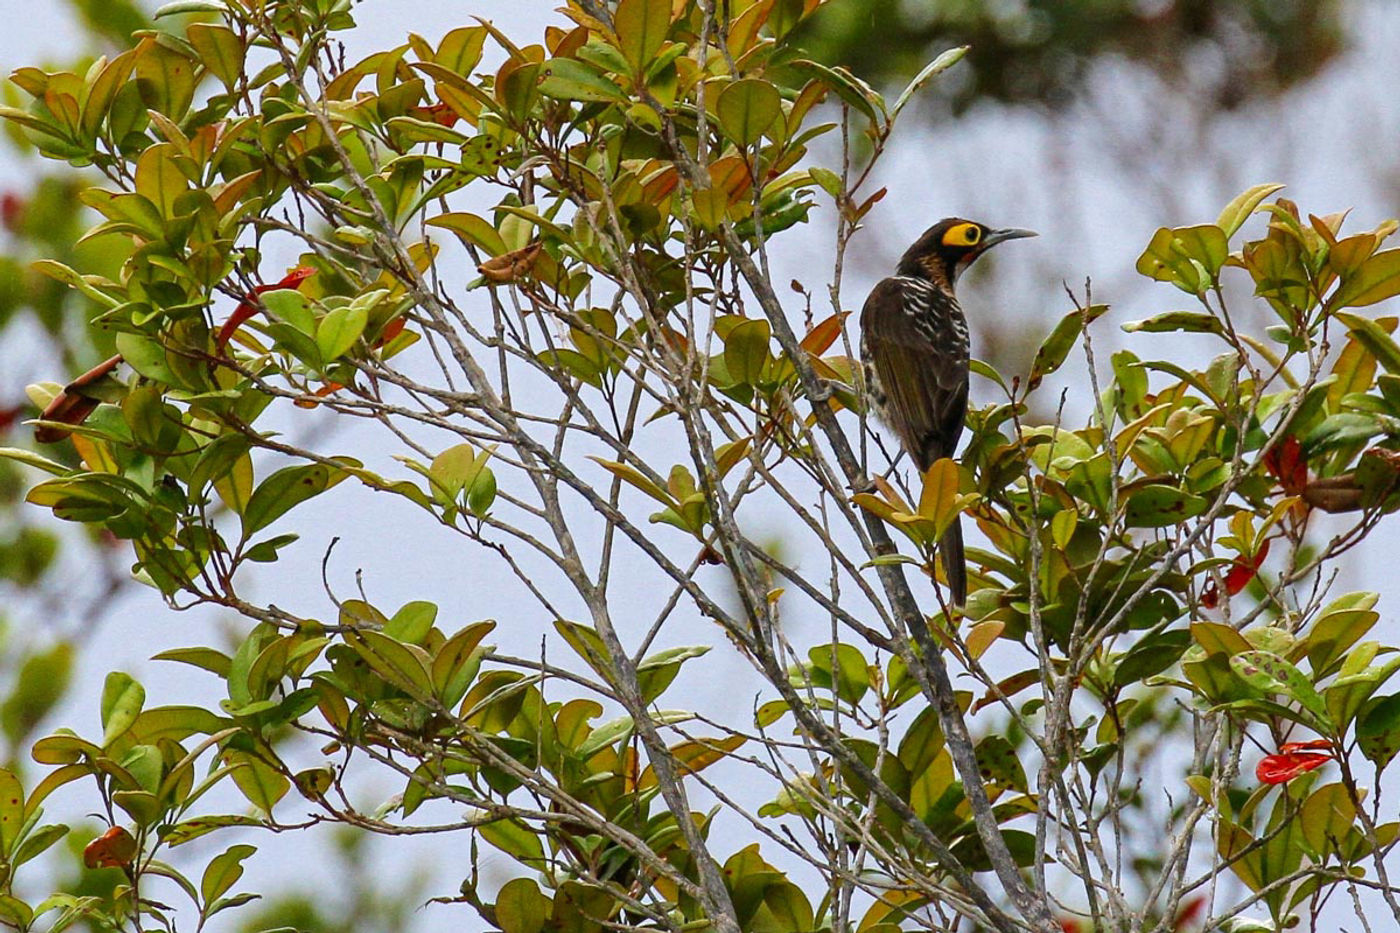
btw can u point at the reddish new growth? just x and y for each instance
(438, 113)
(249, 305)
(1293, 759)
(1286, 464)
(1236, 578)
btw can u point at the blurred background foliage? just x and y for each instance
(1041, 52)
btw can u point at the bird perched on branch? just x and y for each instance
(914, 351)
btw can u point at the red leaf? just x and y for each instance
(115, 848)
(1285, 766)
(325, 390)
(1287, 465)
(1236, 578)
(72, 407)
(1189, 911)
(438, 113)
(249, 305)
(390, 331)
(1243, 571)
(11, 210)
(1310, 745)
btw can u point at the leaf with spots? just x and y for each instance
(998, 764)
(280, 492)
(1378, 730)
(11, 809)
(1271, 673)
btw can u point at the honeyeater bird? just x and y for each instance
(914, 352)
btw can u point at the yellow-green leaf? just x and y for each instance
(1376, 279)
(746, 350)
(938, 500)
(1237, 211)
(220, 50)
(122, 699)
(339, 330)
(747, 108)
(641, 27)
(1371, 335)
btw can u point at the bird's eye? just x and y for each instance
(963, 234)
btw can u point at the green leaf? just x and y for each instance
(72, 278)
(1327, 816)
(223, 872)
(521, 907)
(147, 357)
(175, 723)
(30, 458)
(339, 330)
(1159, 506)
(1055, 349)
(289, 306)
(641, 27)
(1188, 257)
(102, 92)
(656, 672)
(260, 783)
(472, 230)
(747, 108)
(1151, 656)
(122, 699)
(159, 180)
(516, 840)
(1376, 279)
(746, 350)
(1237, 211)
(1187, 322)
(939, 65)
(282, 491)
(220, 49)
(847, 86)
(404, 666)
(1342, 624)
(1271, 673)
(1378, 730)
(998, 763)
(571, 79)
(188, 830)
(456, 663)
(38, 842)
(1373, 337)
(1347, 695)
(178, 7)
(11, 809)
(412, 623)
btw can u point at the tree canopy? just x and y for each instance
(604, 419)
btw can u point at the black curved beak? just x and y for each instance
(1010, 233)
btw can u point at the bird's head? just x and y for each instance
(950, 246)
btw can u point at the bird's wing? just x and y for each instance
(922, 369)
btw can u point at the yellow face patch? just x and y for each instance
(963, 235)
